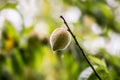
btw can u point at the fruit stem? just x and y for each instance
(80, 48)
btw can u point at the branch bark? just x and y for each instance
(80, 48)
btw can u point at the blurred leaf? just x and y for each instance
(9, 65)
(72, 66)
(102, 68)
(103, 72)
(8, 5)
(27, 31)
(97, 61)
(85, 74)
(17, 62)
(116, 27)
(105, 10)
(11, 32)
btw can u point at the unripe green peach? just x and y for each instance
(60, 39)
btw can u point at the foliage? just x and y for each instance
(26, 55)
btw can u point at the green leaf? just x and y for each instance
(97, 61)
(10, 31)
(17, 62)
(8, 5)
(105, 10)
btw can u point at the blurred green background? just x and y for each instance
(25, 28)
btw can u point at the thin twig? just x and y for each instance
(81, 48)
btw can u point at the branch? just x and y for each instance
(80, 48)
